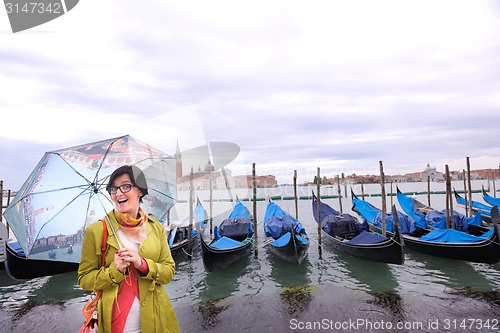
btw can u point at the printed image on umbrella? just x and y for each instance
(67, 190)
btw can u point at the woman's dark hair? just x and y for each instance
(136, 176)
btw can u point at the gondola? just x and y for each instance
(425, 216)
(18, 267)
(477, 207)
(232, 240)
(178, 238)
(489, 199)
(286, 237)
(4, 236)
(346, 234)
(178, 232)
(447, 243)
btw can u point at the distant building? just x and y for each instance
(398, 178)
(260, 181)
(220, 178)
(202, 178)
(430, 173)
(485, 174)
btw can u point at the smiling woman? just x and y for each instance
(138, 261)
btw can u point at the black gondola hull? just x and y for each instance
(180, 250)
(214, 259)
(486, 251)
(18, 267)
(294, 251)
(389, 251)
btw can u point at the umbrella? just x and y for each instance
(67, 190)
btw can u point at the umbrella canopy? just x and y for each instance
(67, 190)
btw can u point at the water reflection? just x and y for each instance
(363, 274)
(286, 274)
(184, 285)
(48, 289)
(490, 272)
(223, 282)
(455, 274)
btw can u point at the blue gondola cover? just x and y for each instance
(454, 236)
(276, 222)
(225, 243)
(366, 237)
(282, 241)
(407, 224)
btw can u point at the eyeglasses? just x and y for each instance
(123, 188)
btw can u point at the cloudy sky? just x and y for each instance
(298, 85)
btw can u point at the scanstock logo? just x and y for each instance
(26, 14)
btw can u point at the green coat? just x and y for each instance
(157, 313)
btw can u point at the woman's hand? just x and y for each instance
(128, 257)
(121, 264)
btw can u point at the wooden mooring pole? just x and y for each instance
(362, 189)
(384, 209)
(392, 194)
(470, 187)
(339, 194)
(254, 186)
(191, 216)
(211, 199)
(345, 185)
(465, 194)
(428, 191)
(295, 194)
(318, 184)
(450, 218)
(494, 187)
(498, 174)
(8, 203)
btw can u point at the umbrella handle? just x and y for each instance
(120, 244)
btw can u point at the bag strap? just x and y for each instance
(104, 245)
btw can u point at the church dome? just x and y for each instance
(428, 168)
(209, 167)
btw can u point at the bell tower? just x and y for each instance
(178, 161)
